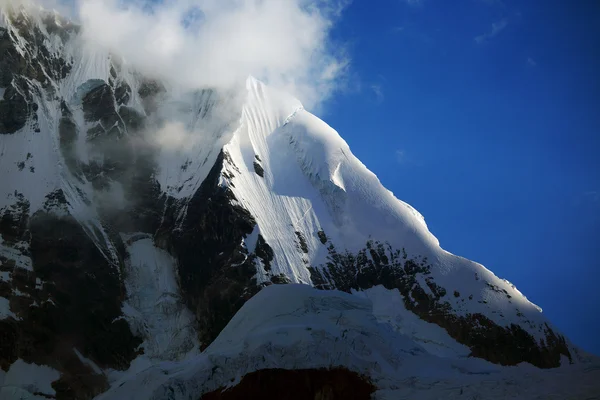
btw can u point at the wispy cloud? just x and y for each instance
(495, 30)
(413, 2)
(531, 62)
(400, 156)
(407, 159)
(218, 43)
(378, 92)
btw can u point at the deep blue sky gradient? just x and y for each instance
(496, 143)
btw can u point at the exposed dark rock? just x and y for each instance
(302, 242)
(148, 92)
(301, 384)
(216, 273)
(113, 72)
(379, 264)
(95, 132)
(14, 111)
(99, 105)
(150, 88)
(122, 93)
(264, 252)
(259, 169)
(280, 279)
(107, 137)
(132, 119)
(14, 220)
(322, 237)
(146, 201)
(95, 174)
(67, 131)
(36, 63)
(78, 304)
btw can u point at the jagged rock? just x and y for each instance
(259, 170)
(322, 237)
(264, 252)
(216, 274)
(122, 92)
(150, 87)
(379, 264)
(131, 118)
(78, 306)
(280, 280)
(14, 111)
(302, 242)
(99, 105)
(14, 220)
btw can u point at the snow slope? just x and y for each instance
(298, 327)
(154, 308)
(23, 379)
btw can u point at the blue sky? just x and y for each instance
(485, 116)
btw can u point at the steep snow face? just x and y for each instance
(313, 183)
(298, 327)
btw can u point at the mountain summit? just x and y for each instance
(160, 242)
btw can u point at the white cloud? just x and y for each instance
(497, 27)
(400, 156)
(217, 43)
(378, 92)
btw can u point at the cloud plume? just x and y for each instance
(218, 43)
(214, 43)
(497, 27)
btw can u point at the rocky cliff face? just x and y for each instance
(257, 192)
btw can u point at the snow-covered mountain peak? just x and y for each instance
(138, 216)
